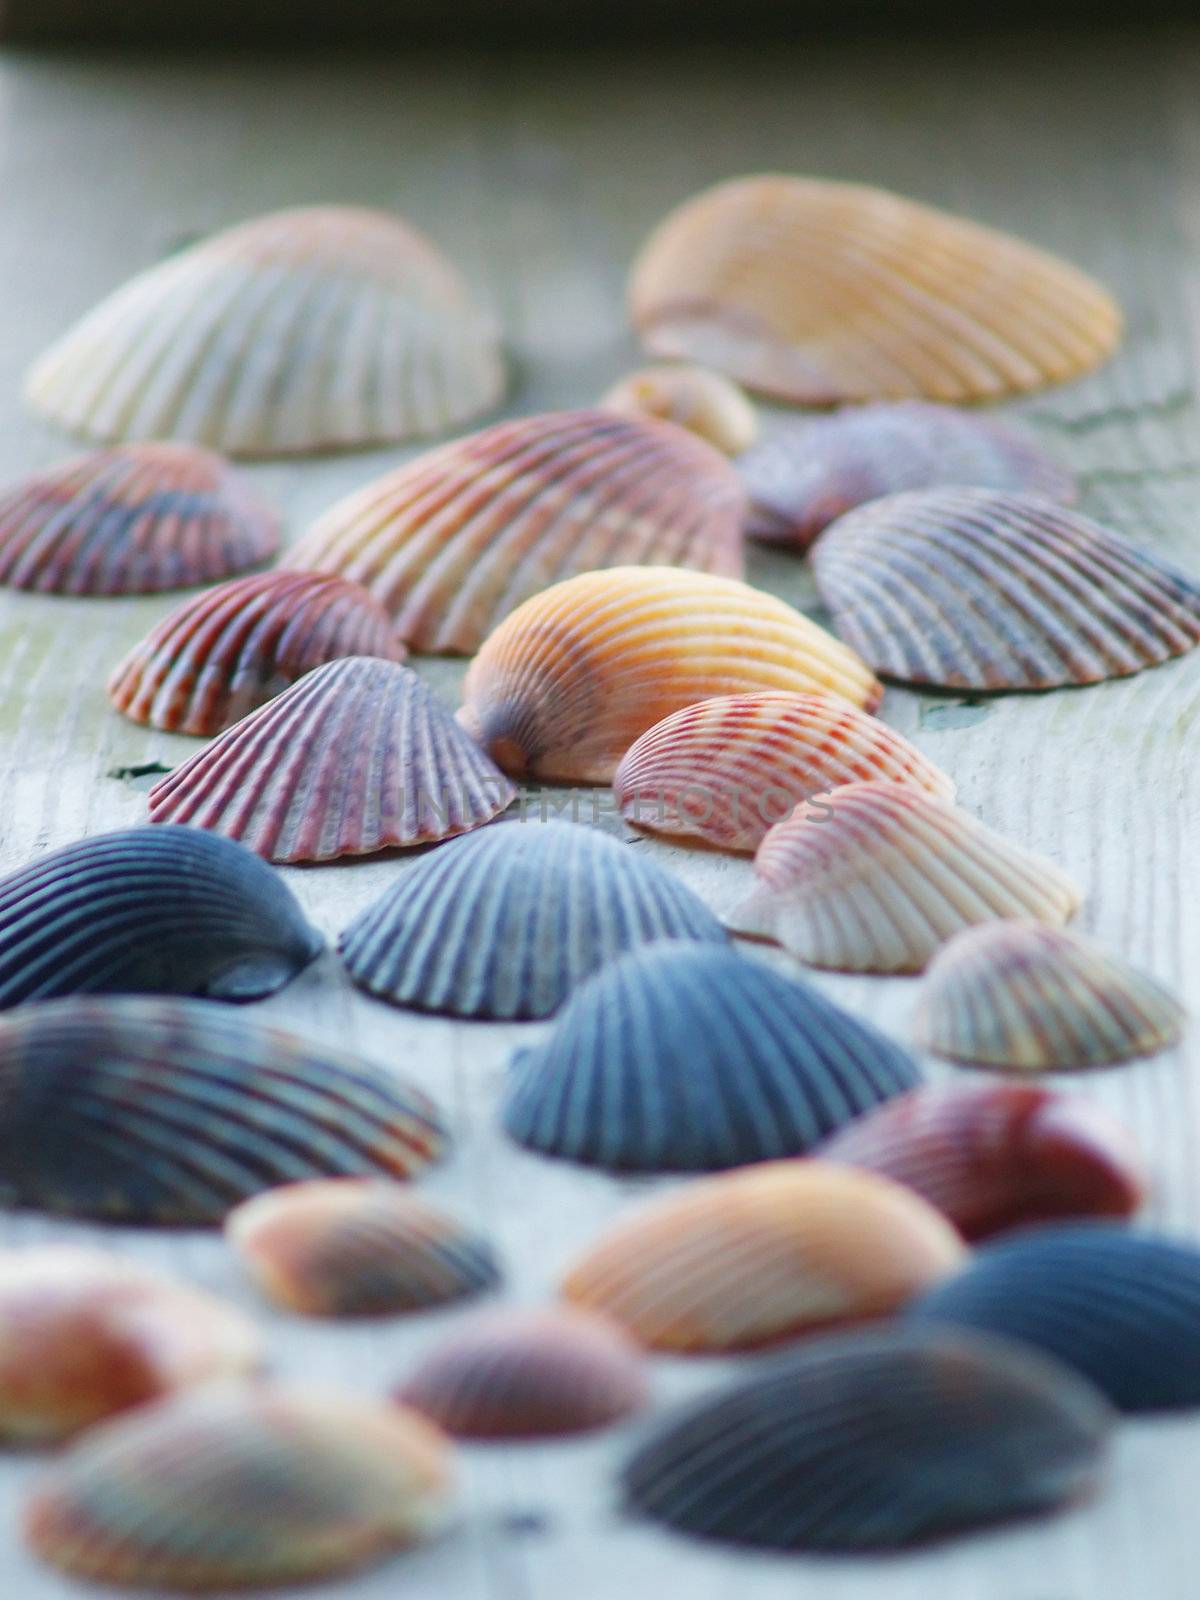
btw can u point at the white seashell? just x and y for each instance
(702, 401)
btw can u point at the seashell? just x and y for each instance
(971, 589)
(874, 1441)
(753, 1257)
(683, 1057)
(567, 683)
(354, 1247)
(702, 401)
(726, 770)
(357, 756)
(992, 1156)
(158, 911)
(452, 542)
(517, 1374)
(225, 652)
(1017, 994)
(240, 1487)
(309, 329)
(507, 922)
(132, 521)
(173, 1111)
(817, 292)
(876, 877)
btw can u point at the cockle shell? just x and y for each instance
(704, 402)
(454, 541)
(132, 521)
(683, 1057)
(153, 910)
(308, 329)
(173, 1111)
(974, 589)
(357, 756)
(765, 1254)
(874, 1441)
(726, 770)
(876, 877)
(817, 292)
(235, 1486)
(227, 651)
(567, 683)
(1021, 995)
(507, 922)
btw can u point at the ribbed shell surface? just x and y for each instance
(703, 402)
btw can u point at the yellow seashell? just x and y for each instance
(704, 402)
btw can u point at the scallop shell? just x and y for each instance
(508, 922)
(240, 1487)
(876, 877)
(756, 1256)
(354, 1247)
(158, 911)
(227, 651)
(310, 329)
(873, 1442)
(817, 292)
(726, 770)
(355, 757)
(567, 683)
(173, 1111)
(971, 589)
(702, 401)
(454, 541)
(132, 521)
(1017, 994)
(992, 1156)
(684, 1057)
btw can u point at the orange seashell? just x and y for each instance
(702, 401)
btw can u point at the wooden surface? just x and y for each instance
(541, 176)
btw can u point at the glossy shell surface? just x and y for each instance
(702, 401)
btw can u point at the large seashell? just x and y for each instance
(873, 1442)
(452, 542)
(684, 1057)
(508, 922)
(875, 877)
(753, 1257)
(1018, 994)
(229, 650)
(568, 682)
(132, 521)
(172, 1111)
(304, 330)
(357, 756)
(240, 1487)
(726, 770)
(353, 1247)
(817, 292)
(702, 401)
(161, 911)
(971, 589)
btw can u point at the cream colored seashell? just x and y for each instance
(309, 329)
(702, 401)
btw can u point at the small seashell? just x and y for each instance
(702, 401)
(310, 329)
(874, 1441)
(452, 542)
(684, 1057)
(818, 292)
(876, 877)
(753, 1257)
(240, 1487)
(507, 922)
(147, 910)
(567, 683)
(132, 521)
(225, 652)
(971, 589)
(357, 756)
(726, 770)
(1018, 994)
(992, 1156)
(357, 1247)
(173, 1111)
